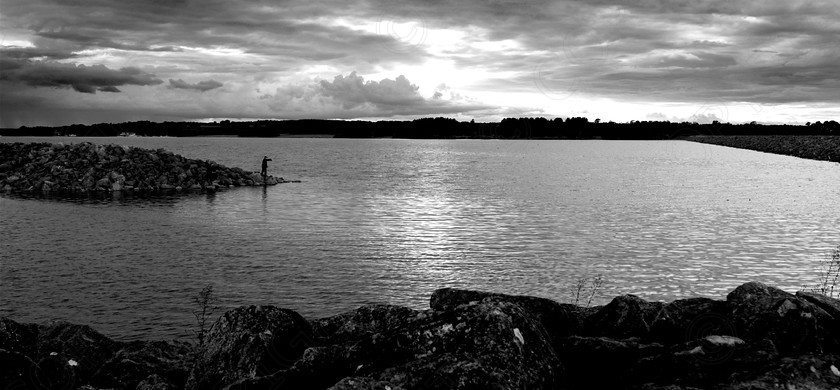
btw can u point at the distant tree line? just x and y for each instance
(508, 128)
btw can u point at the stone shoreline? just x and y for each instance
(88, 168)
(813, 147)
(760, 337)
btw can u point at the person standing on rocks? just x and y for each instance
(264, 171)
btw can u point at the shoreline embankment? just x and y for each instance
(87, 168)
(813, 147)
(759, 337)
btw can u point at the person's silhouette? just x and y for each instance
(264, 171)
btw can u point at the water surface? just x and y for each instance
(392, 220)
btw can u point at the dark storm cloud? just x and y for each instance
(23, 53)
(85, 79)
(295, 32)
(85, 41)
(201, 86)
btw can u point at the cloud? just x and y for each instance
(689, 60)
(25, 53)
(705, 118)
(351, 96)
(352, 91)
(202, 86)
(654, 52)
(81, 78)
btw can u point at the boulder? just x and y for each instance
(156, 382)
(796, 372)
(587, 358)
(58, 371)
(703, 363)
(830, 305)
(485, 345)
(362, 383)
(16, 337)
(17, 371)
(795, 325)
(624, 317)
(558, 319)
(248, 342)
(358, 323)
(689, 319)
(318, 368)
(480, 346)
(72, 350)
(137, 360)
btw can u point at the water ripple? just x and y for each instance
(392, 220)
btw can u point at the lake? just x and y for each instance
(390, 221)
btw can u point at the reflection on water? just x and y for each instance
(392, 220)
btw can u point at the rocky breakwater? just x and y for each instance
(760, 337)
(814, 147)
(91, 168)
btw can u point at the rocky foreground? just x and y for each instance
(814, 147)
(760, 337)
(89, 168)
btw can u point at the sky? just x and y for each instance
(95, 61)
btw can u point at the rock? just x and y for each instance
(363, 321)
(558, 319)
(703, 363)
(798, 372)
(830, 305)
(363, 383)
(58, 371)
(625, 316)
(17, 371)
(485, 345)
(16, 337)
(249, 342)
(318, 368)
(75, 349)
(690, 319)
(759, 338)
(793, 324)
(83, 167)
(586, 359)
(155, 382)
(137, 360)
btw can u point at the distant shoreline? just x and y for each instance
(812, 147)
